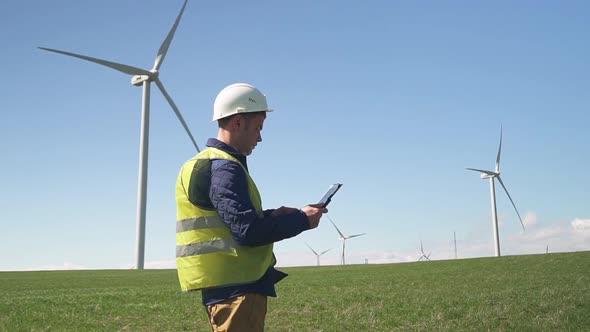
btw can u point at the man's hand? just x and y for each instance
(314, 213)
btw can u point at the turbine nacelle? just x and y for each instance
(138, 80)
(485, 174)
(488, 175)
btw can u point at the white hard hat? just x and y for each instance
(239, 98)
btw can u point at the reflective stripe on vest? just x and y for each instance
(192, 224)
(208, 247)
(207, 255)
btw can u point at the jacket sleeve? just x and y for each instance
(229, 195)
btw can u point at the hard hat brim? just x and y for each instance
(241, 111)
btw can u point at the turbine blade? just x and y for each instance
(325, 251)
(499, 151)
(311, 248)
(421, 247)
(166, 43)
(355, 235)
(428, 256)
(337, 230)
(116, 66)
(171, 102)
(482, 171)
(511, 201)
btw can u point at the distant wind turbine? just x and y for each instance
(496, 175)
(423, 257)
(316, 254)
(455, 241)
(145, 78)
(343, 238)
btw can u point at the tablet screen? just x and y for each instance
(328, 195)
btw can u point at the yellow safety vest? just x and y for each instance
(207, 255)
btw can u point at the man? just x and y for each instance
(224, 238)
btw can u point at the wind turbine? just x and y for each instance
(496, 175)
(343, 238)
(423, 256)
(455, 242)
(316, 254)
(144, 78)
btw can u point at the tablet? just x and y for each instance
(329, 194)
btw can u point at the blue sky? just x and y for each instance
(391, 98)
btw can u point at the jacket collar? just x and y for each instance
(215, 143)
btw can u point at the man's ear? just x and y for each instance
(237, 121)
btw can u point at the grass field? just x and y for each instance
(518, 293)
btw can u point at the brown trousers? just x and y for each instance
(244, 313)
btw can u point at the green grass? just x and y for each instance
(517, 293)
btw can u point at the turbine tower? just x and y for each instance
(142, 77)
(316, 254)
(496, 175)
(423, 256)
(343, 238)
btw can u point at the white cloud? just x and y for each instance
(557, 237)
(560, 236)
(581, 225)
(545, 233)
(530, 219)
(381, 257)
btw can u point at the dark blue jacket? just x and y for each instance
(229, 196)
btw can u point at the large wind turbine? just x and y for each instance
(496, 175)
(343, 238)
(316, 254)
(145, 78)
